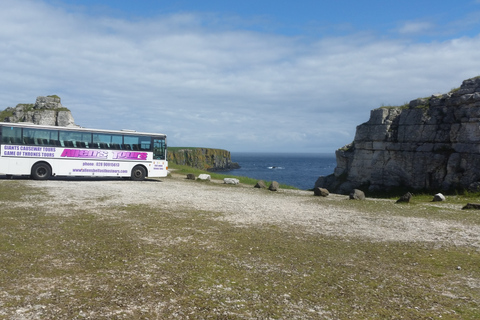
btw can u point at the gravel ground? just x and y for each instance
(245, 205)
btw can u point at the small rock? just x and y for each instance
(322, 192)
(274, 186)
(438, 197)
(357, 195)
(204, 176)
(261, 184)
(474, 187)
(475, 206)
(191, 176)
(230, 181)
(405, 198)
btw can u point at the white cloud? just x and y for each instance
(229, 89)
(415, 27)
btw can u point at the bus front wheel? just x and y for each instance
(138, 173)
(41, 171)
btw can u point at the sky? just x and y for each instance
(260, 76)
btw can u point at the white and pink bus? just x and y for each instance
(45, 151)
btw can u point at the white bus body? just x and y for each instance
(45, 151)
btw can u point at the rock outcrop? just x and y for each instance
(202, 158)
(429, 144)
(46, 111)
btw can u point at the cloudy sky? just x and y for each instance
(263, 75)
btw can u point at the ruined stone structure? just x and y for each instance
(429, 144)
(46, 111)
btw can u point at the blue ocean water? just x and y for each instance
(300, 170)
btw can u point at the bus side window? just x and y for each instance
(12, 135)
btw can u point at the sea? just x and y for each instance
(299, 170)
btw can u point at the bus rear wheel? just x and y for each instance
(138, 173)
(41, 171)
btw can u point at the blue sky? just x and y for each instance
(288, 76)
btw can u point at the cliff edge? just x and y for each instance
(430, 144)
(202, 158)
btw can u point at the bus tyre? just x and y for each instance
(138, 173)
(41, 171)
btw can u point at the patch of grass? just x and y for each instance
(6, 113)
(388, 106)
(181, 148)
(17, 191)
(139, 262)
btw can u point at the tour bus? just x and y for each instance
(46, 151)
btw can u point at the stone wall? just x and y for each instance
(430, 144)
(202, 158)
(46, 111)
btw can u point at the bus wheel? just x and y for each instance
(41, 171)
(138, 173)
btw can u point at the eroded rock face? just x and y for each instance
(430, 144)
(203, 158)
(46, 111)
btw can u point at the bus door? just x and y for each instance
(159, 149)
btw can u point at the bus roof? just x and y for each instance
(81, 129)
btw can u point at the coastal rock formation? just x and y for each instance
(429, 144)
(46, 111)
(202, 158)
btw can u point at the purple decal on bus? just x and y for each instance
(129, 155)
(94, 154)
(75, 153)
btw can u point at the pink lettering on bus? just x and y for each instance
(129, 155)
(76, 153)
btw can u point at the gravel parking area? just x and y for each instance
(245, 205)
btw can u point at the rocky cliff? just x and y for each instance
(429, 144)
(46, 111)
(202, 158)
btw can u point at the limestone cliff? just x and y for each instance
(46, 111)
(202, 158)
(429, 144)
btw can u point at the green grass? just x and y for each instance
(388, 106)
(139, 262)
(189, 148)
(179, 169)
